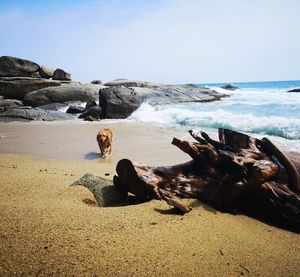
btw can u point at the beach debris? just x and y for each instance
(237, 170)
(104, 191)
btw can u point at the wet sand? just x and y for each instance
(51, 229)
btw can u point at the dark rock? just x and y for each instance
(73, 109)
(94, 112)
(118, 102)
(12, 66)
(18, 87)
(294, 90)
(121, 101)
(10, 103)
(60, 74)
(90, 118)
(90, 104)
(46, 72)
(96, 82)
(229, 87)
(30, 113)
(191, 85)
(63, 93)
(105, 193)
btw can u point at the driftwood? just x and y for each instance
(223, 173)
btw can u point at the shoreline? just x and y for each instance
(76, 140)
(49, 228)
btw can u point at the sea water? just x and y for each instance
(256, 108)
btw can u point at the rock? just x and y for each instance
(30, 113)
(90, 118)
(12, 66)
(229, 87)
(73, 109)
(191, 85)
(94, 112)
(96, 82)
(121, 101)
(105, 193)
(10, 103)
(46, 72)
(1, 97)
(90, 104)
(131, 83)
(18, 87)
(294, 90)
(63, 93)
(54, 107)
(60, 74)
(118, 102)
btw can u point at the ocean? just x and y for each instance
(256, 108)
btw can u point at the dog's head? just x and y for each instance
(104, 136)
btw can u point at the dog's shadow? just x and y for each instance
(92, 156)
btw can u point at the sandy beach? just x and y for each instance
(51, 229)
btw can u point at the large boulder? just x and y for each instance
(118, 102)
(29, 113)
(18, 87)
(46, 72)
(12, 66)
(121, 101)
(63, 93)
(60, 74)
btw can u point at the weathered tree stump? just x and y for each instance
(222, 173)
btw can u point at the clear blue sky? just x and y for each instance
(170, 41)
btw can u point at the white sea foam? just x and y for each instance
(246, 122)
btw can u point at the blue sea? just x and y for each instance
(257, 108)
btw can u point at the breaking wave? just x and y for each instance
(196, 115)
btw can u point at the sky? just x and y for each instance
(167, 41)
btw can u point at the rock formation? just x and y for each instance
(121, 97)
(12, 66)
(63, 93)
(28, 82)
(18, 87)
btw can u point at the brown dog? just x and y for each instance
(104, 139)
